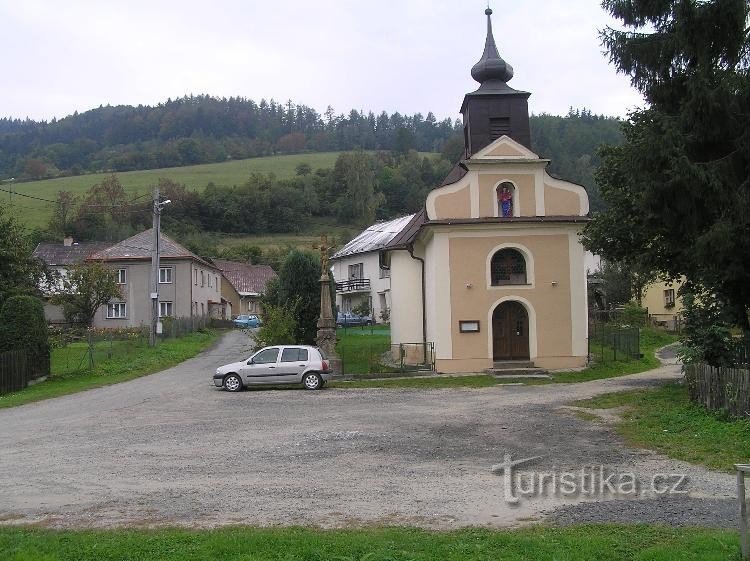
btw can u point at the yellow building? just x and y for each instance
(663, 304)
(492, 269)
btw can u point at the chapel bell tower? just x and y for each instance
(494, 109)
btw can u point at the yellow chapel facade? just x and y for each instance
(491, 272)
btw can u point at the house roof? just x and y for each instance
(245, 278)
(55, 254)
(375, 237)
(139, 247)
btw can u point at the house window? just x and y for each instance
(203, 309)
(356, 271)
(508, 266)
(669, 298)
(196, 276)
(116, 310)
(505, 199)
(165, 275)
(165, 309)
(252, 306)
(203, 278)
(209, 281)
(122, 276)
(216, 282)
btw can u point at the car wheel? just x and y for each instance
(232, 383)
(312, 381)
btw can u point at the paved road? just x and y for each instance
(169, 449)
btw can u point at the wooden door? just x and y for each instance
(510, 332)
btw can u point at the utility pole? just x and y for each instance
(155, 224)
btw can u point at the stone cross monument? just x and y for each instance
(326, 338)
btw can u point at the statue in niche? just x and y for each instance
(505, 199)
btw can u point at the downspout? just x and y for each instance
(424, 304)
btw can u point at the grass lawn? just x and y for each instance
(665, 420)
(128, 360)
(35, 213)
(361, 348)
(651, 339)
(576, 543)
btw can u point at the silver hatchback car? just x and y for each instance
(280, 364)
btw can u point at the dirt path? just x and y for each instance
(170, 449)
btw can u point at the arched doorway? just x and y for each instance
(510, 332)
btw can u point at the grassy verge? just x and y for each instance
(127, 361)
(576, 543)
(651, 339)
(665, 420)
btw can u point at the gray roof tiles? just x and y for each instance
(57, 254)
(139, 247)
(374, 238)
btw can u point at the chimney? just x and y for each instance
(68, 241)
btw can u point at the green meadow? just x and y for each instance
(34, 213)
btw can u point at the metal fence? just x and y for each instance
(18, 368)
(381, 359)
(611, 342)
(719, 389)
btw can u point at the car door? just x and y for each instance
(292, 364)
(261, 368)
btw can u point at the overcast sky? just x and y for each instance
(408, 56)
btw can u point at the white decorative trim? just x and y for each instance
(516, 198)
(507, 141)
(527, 255)
(567, 186)
(539, 192)
(474, 191)
(578, 322)
(533, 352)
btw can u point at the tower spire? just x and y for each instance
(491, 67)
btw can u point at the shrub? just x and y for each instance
(279, 326)
(23, 327)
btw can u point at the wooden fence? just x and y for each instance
(17, 369)
(719, 389)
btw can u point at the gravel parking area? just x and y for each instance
(170, 449)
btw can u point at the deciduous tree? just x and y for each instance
(85, 288)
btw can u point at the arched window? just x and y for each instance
(508, 266)
(505, 193)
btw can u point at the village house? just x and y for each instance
(242, 286)
(188, 285)
(491, 271)
(59, 258)
(362, 276)
(663, 303)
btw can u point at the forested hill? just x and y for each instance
(204, 129)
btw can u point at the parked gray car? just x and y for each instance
(280, 364)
